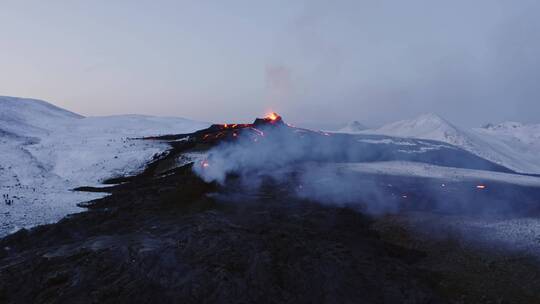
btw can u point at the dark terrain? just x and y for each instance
(166, 236)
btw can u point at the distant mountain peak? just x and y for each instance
(425, 123)
(507, 125)
(426, 126)
(353, 126)
(431, 118)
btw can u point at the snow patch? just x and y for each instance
(403, 168)
(47, 151)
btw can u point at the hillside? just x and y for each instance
(32, 117)
(47, 151)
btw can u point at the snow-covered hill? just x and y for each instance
(513, 145)
(31, 117)
(427, 126)
(46, 151)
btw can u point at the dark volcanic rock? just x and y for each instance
(163, 240)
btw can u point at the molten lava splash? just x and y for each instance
(272, 116)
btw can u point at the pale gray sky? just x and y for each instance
(472, 61)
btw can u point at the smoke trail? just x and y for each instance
(300, 158)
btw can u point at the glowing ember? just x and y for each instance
(205, 164)
(272, 116)
(481, 187)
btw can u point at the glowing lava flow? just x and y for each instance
(229, 132)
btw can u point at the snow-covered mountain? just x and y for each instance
(513, 145)
(353, 127)
(427, 126)
(46, 151)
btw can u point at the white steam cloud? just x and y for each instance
(298, 160)
(315, 167)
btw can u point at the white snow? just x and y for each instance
(387, 141)
(47, 151)
(513, 145)
(404, 168)
(427, 126)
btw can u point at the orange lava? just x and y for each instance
(272, 116)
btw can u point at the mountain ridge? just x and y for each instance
(511, 144)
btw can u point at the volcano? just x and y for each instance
(231, 131)
(272, 133)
